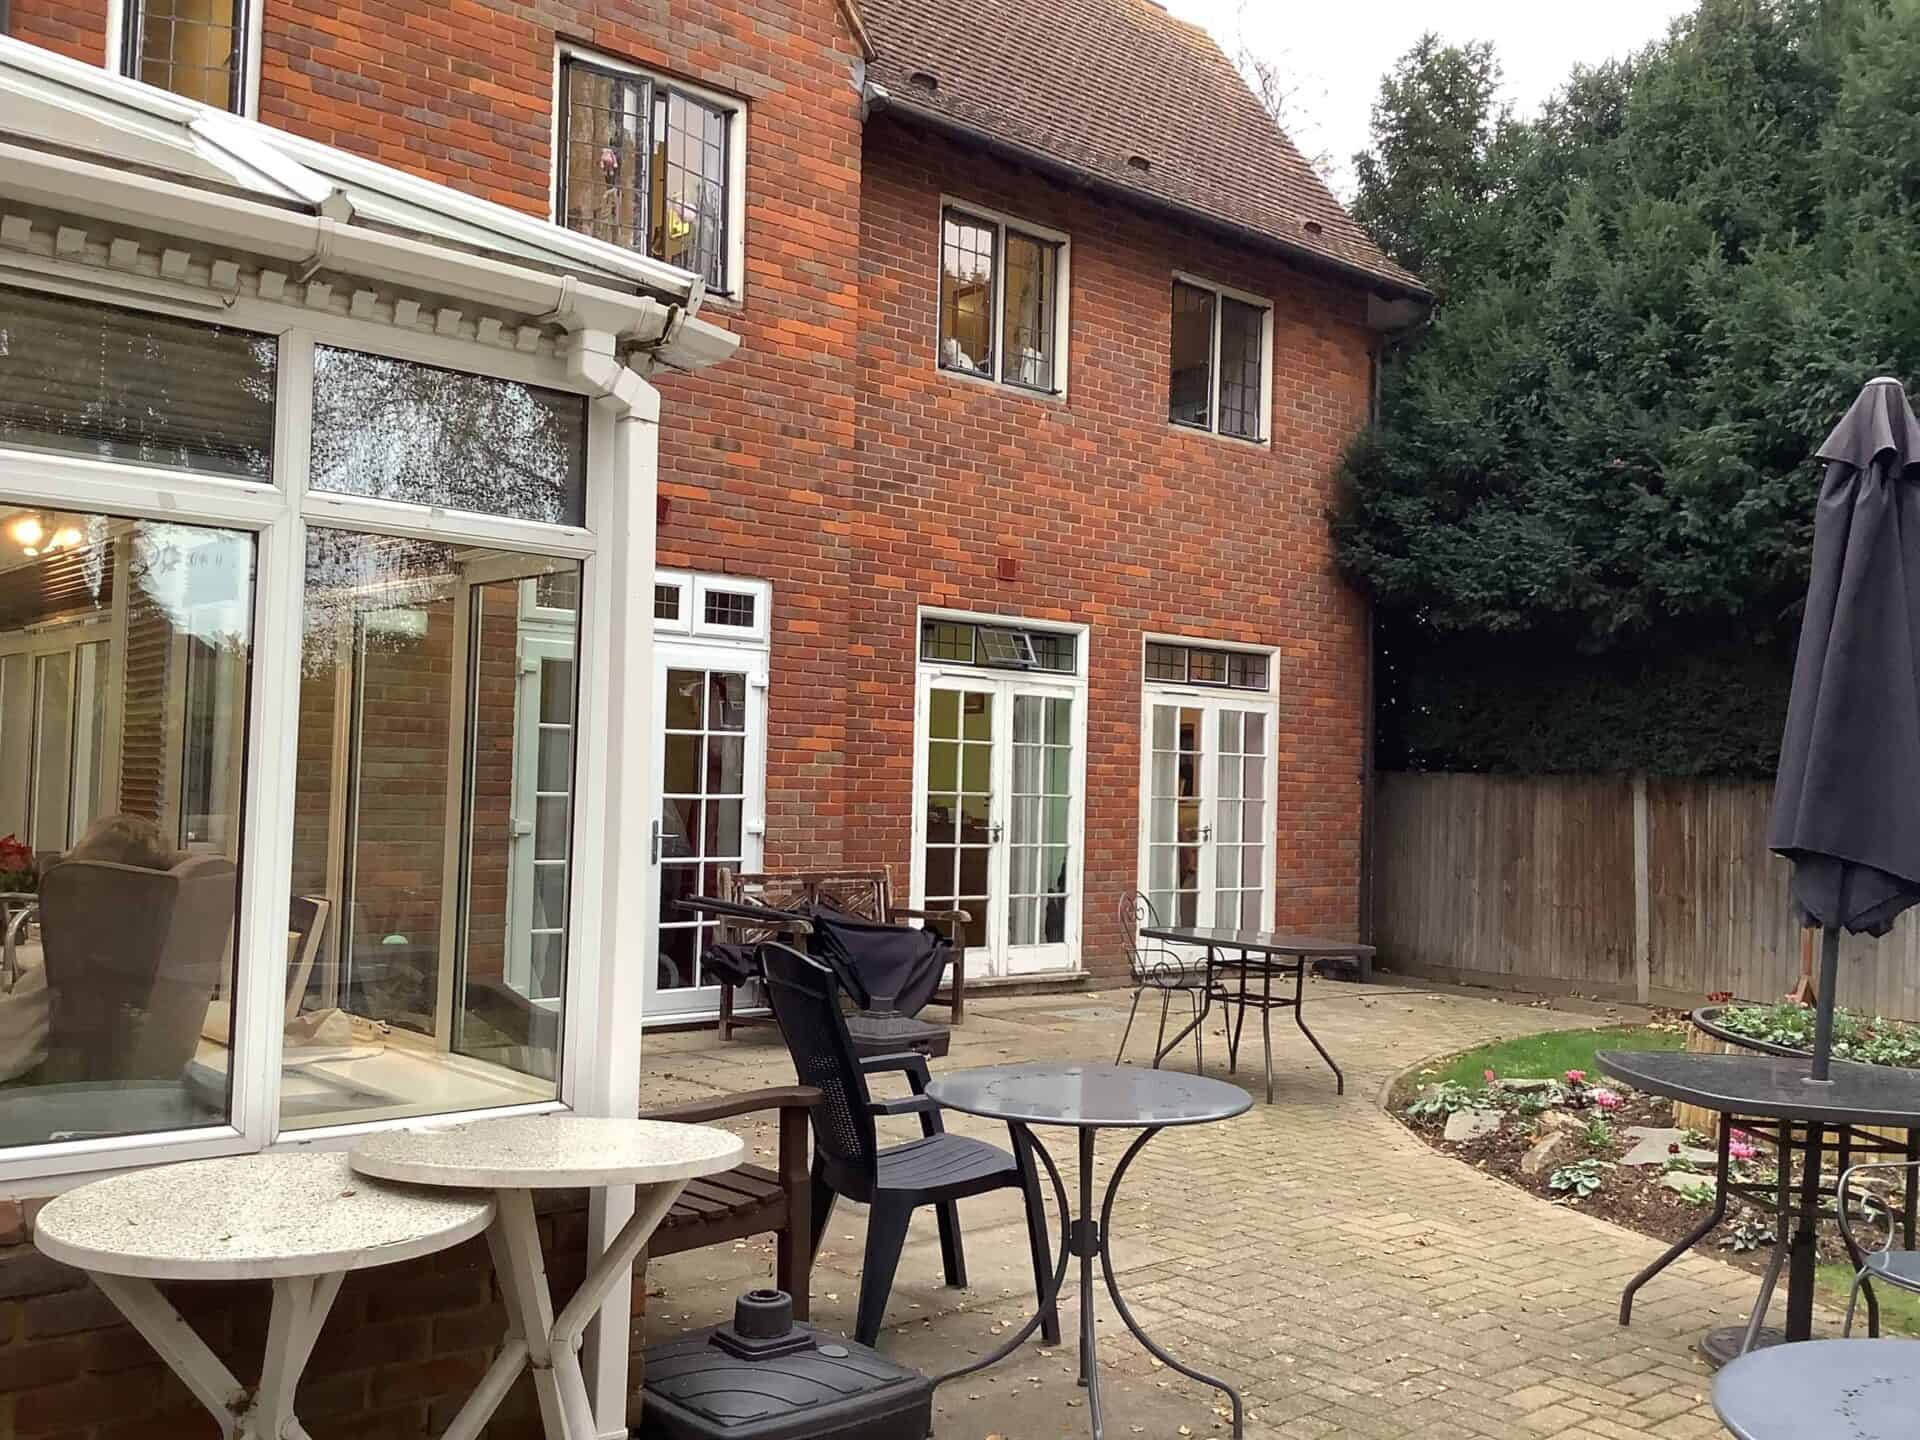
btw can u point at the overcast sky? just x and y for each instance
(1336, 53)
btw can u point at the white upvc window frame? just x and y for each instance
(736, 110)
(1062, 293)
(252, 34)
(277, 515)
(1264, 440)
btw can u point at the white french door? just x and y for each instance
(1207, 788)
(710, 727)
(999, 815)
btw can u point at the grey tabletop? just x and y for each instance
(1844, 1389)
(1772, 1087)
(1260, 941)
(1088, 1097)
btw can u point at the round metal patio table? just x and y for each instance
(514, 1157)
(301, 1221)
(1823, 1390)
(1743, 1088)
(1090, 1098)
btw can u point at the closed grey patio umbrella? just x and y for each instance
(1846, 802)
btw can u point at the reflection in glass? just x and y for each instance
(125, 654)
(393, 430)
(1242, 339)
(1029, 326)
(111, 384)
(433, 824)
(966, 293)
(1190, 366)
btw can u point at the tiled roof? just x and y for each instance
(1104, 85)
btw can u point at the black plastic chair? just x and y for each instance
(1156, 968)
(938, 1169)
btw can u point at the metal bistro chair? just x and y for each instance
(1899, 1268)
(938, 1169)
(1155, 967)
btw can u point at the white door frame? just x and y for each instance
(672, 652)
(1210, 700)
(998, 957)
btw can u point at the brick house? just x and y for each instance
(996, 554)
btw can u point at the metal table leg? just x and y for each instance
(1300, 1019)
(1088, 1238)
(1692, 1237)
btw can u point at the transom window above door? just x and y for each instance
(998, 647)
(1003, 306)
(1175, 664)
(652, 165)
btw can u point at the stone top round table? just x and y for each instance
(1844, 1389)
(514, 1157)
(1776, 1091)
(1089, 1099)
(300, 1220)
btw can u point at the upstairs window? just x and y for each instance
(649, 165)
(195, 48)
(1217, 361)
(1002, 301)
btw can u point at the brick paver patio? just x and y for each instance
(1350, 1280)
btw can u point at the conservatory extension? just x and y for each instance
(326, 547)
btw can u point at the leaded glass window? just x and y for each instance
(998, 647)
(1176, 664)
(967, 249)
(646, 165)
(194, 48)
(1216, 362)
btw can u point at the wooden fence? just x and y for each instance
(1621, 888)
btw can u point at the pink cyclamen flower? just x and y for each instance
(1488, 1076)
(1739, 1150)
(1576, 1077)
(1606, 1099)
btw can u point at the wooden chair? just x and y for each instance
(865, 893)
(750, 1199)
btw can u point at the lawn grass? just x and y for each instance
(1552, 1053)
(1899, 1311)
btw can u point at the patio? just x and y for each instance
(1351, 1280)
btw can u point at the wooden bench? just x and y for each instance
(867, 894)
(750, 1199)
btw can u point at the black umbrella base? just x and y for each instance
(1720, 1347)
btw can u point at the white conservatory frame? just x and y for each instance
(259, 231)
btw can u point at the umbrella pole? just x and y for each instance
(1823, 1013)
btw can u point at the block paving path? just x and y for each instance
(1350, 1280)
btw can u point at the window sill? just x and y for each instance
(1005, 387)
(1200, 433)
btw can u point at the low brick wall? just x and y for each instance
(403, 1348)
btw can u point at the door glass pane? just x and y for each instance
(1240, 883)
(433, 826)
(959, 766)
(1042, 799)
(116, 1021)
(703, 808)
(1173, 861)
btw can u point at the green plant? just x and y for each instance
(1748, 1233)
(1866, 1038)
(1580, 1179)
(1438, 1101)
(1597, 1134)
(1677, 1165)
(1698, 1193)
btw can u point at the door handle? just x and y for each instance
(1206, 834)
(654, 847)
(994, 832)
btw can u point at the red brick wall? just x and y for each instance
(73, 27)
(1110, 516)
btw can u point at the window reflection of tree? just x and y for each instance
(393, 430)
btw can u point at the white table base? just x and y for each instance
(537, 1339)
(300, 1306)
